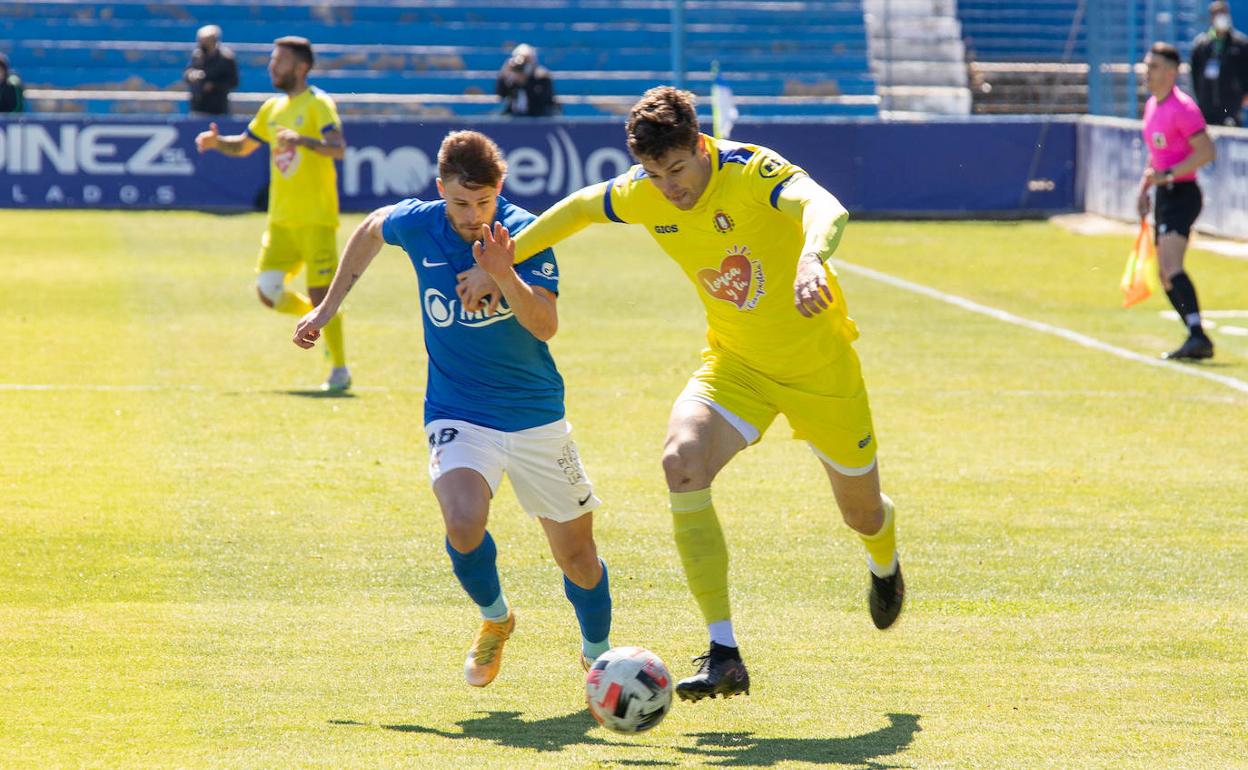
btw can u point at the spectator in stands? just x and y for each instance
(1178, 145)
(213, 73)
(525, 86)
(1220, 69)
(12, 98)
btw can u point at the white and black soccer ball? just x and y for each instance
(628, 689)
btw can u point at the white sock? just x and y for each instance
(721, 633)
(885, 571)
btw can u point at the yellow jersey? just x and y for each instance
(737, 246)
(303, 184)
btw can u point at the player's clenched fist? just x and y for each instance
(811, 293)
(308, 330)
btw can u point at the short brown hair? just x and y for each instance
(663, 120)
(472, 158)
(1165, 51)
(301, 47)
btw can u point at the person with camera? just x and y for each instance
(526, 87)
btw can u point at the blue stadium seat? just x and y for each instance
(786, 57)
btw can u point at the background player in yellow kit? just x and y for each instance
(305, 137)
(748, 228)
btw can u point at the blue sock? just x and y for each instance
(478, 574)
(593, 612)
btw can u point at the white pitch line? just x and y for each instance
(1040, 326)
(20, 386)
(89, 388)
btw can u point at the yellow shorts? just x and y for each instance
(289, 248)
(827, 409)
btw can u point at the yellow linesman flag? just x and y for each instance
(1141, 277)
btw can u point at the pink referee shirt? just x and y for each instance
(1168, 125)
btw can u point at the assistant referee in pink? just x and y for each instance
(1178, 144)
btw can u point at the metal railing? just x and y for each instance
(1119, 33)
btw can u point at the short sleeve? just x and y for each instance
(622, 198)
(1190, 121)
(767, 175)
(258, 128)
(327, 114)
(541, 269)
(399, 219)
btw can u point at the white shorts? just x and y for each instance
(542, 463)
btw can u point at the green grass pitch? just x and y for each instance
(206, 566)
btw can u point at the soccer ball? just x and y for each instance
(628, 689)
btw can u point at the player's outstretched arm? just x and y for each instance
(361, 247)
(823, 221)
(236, 146)
(567, 217)
(533, 306)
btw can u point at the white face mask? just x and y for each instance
(1222, 22)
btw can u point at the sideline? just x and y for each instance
(89, 388)
(1094, 224)
(1057, 331)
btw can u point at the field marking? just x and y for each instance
(90, 388)
(1057, 331)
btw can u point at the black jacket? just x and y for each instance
(1220, 99)
(11, 97)
(535, 97)
(219, 69)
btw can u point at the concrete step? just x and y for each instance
(915, 28)
(926, 50)
(929, 99)
(921, 8)
(906, 73)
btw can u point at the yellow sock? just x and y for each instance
(882, 546)
(333, 342)
(292, 303)
(700, 542)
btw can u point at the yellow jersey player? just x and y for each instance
(304, 134)
(753, 233)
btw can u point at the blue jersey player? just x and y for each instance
(494, 399)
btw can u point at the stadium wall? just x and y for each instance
(1009, 167)
(1112, 155)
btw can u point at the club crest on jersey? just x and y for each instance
(738, 279)
(1159, 140)
(722, 222)
(771, 166)
(286, 160)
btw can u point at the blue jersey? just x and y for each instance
(486, 371)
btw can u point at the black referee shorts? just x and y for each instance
(1177, 206)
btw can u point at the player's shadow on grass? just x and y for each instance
(507, 729)
(742, 749)
(318, 393)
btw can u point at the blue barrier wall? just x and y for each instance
(957, 168)
(1112, 157)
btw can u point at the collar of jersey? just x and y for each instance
(712, 147)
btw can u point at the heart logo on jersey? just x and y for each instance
(731, 282)
(286, 160)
